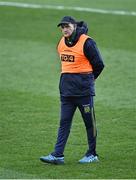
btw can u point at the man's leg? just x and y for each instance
(67, 112)
(86, 108)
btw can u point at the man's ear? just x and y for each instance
(75, 26)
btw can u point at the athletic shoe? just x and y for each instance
(52, 159)
(89, 159)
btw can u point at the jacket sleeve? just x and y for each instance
(93, 55)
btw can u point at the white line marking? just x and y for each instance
(39, 6)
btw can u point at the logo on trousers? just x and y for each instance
(87, 108)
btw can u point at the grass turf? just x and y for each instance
(29, 96)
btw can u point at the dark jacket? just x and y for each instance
(79, 84)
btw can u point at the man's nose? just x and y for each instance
(65, 28)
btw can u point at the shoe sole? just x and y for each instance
(56, 162)
(94, 161)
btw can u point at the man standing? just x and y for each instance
(81, 64)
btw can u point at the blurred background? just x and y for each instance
(29, 95)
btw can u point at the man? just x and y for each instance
(81, 65)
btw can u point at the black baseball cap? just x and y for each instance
(67, 20)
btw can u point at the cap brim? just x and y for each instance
(65, 22)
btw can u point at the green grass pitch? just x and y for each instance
(29, 95)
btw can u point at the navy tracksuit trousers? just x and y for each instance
(68, 107)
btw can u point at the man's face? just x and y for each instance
(67, 29)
